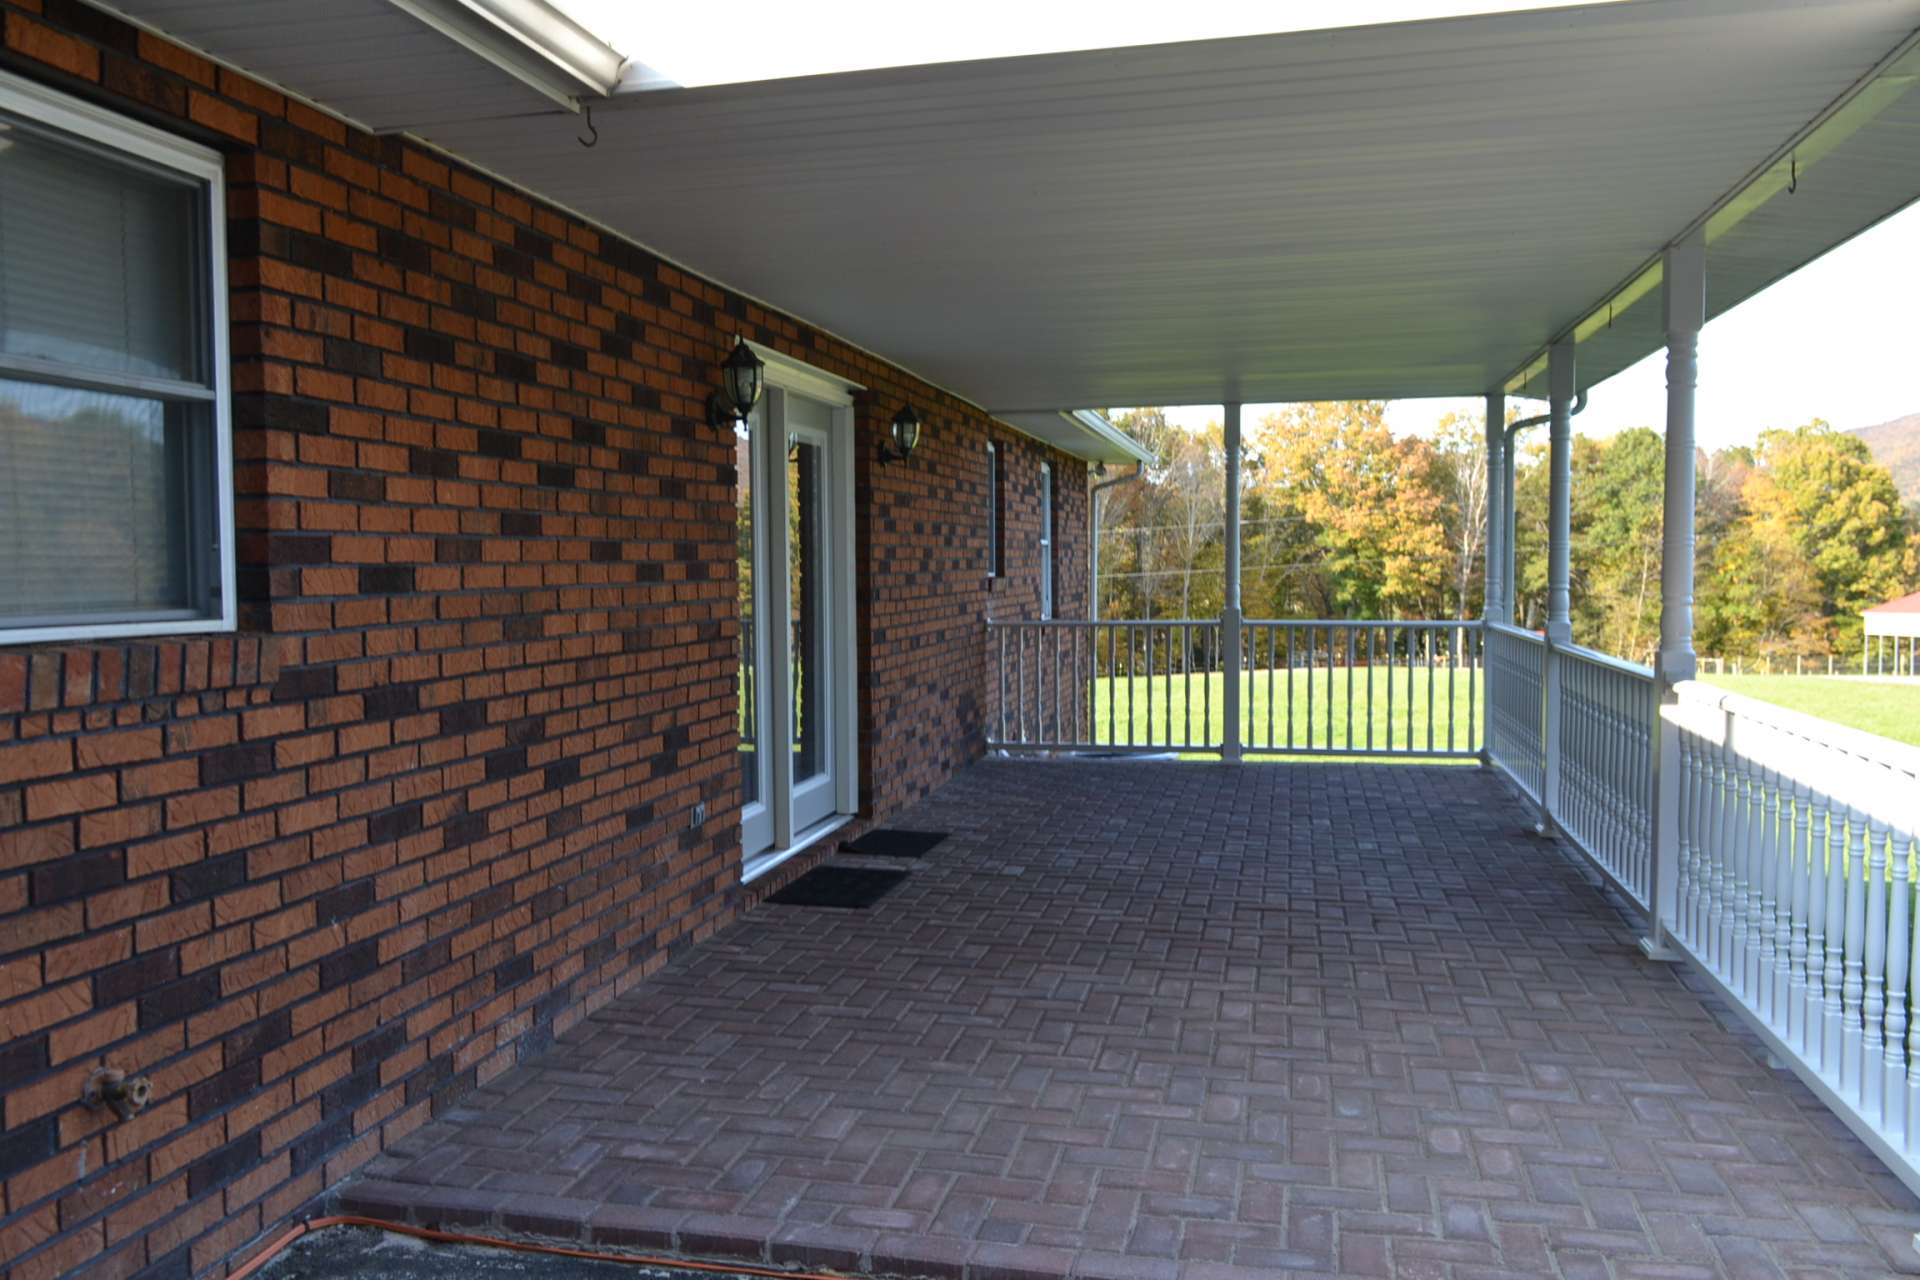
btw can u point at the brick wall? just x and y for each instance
(432, 804)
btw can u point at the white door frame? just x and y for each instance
(756, 817)
(786, 376)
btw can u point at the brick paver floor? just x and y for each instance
(1157, 1020)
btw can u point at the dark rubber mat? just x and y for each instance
(891, 842)
(849, 888)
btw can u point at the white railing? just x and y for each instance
(1387, 688)
(1127, 687)
(1794, 892)
(1608, 713)
(1405, 689)
(1516, 706)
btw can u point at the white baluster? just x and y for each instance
(1814, 804)
(1740, 855)
(1899, 942)
(1766, 874)
(1909, 856)
(1784, 879)
(1688, 892)
(1853, 978)
(1833, 982)
(1873, 1009)
(1704, 802)
(1721, 818)
(1798, 864)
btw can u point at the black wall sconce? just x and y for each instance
(905, 435)
(741, 377)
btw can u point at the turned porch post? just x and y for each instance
(1559, 550)
(1684, 283)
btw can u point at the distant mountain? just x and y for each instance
(1896, 445)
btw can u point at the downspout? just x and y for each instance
(1511, 557)
(1093, 558)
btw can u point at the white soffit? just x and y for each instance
(1083, 433)
(365, 59)
(1401, 210)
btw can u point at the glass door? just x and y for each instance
(809, 589)
(792, 544)
(756, 815)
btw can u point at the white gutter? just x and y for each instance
(531, 41)
(1083, 433)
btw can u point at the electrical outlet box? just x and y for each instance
(699, 813)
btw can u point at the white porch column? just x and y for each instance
(1684, 283)
(1230, 658)
(1497, 608)
(1560, 492)
(1559, 551)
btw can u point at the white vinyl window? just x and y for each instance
(1046, 540)
(116, 509)
(995, 564)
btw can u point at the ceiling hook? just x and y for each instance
(1793, 174)
(593, 134)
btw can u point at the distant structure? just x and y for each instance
(1896, 620)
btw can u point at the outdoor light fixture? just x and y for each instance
(741, 377)
(906, 436)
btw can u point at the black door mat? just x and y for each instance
(850, 888)
(892, 842)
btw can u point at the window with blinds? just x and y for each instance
(115, 496)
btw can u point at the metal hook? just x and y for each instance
(1793, 174)
(593, 134)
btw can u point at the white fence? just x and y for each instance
(1125, 687)
(1795, 850)
(1306, 687)
(1606, 722)
(1516, 706)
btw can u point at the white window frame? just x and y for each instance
(993, 510)
(1046, 541)
(146, 146)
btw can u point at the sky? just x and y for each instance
(765, 40)
(1837, 340)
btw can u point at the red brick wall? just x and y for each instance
(433, 803)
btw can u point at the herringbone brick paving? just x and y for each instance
(1156, 1020)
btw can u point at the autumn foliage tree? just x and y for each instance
(1343, 520)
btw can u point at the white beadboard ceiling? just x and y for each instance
(1405, 210)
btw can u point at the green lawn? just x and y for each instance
(1890, 710)
(1122, 707)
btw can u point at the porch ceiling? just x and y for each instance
(1402, 210)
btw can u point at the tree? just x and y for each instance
(1618, 547)
(1369, 500)
(1460, 456)
(1842, 512)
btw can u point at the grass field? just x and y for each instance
(1890, 710)
(1151, 711)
